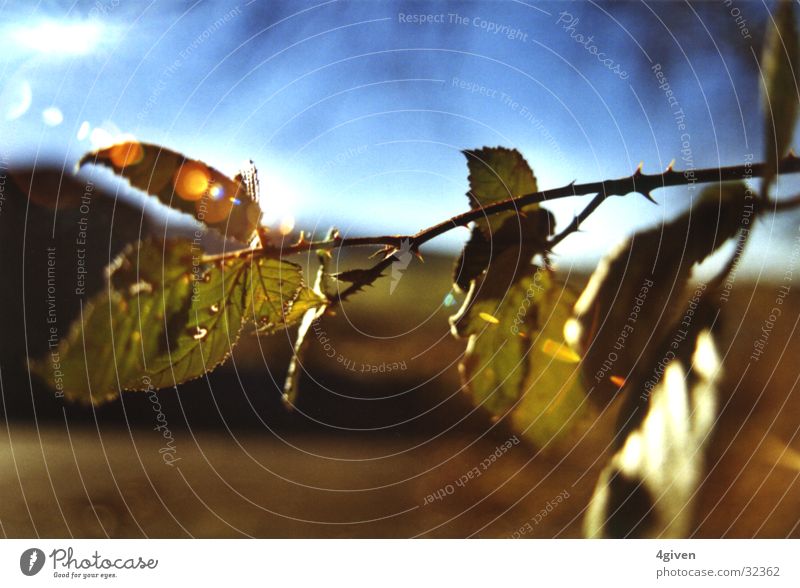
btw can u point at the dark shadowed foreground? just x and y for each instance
(382, 443)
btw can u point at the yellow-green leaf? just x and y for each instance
(516, 362)
(167, 316)
(496, 174)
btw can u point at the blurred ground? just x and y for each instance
(364, 452)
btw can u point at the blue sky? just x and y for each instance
(355, 112)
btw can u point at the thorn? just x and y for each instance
(647, 195)
(792, 154)
(639, 169)
(669, 167)
(386, 251)
(418, 255)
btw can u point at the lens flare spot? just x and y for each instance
(560, 351)
(15, 99)
(489, 318)
(213, 211)
(216, 191)
(125, 154)
(192, 180)
(52, 116)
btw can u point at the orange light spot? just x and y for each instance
(560, 351)
(618, 381)
(491, 319)
(125, 154)
(192, 180)
(213, 211)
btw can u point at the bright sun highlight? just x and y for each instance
(279, 201)
(76, 38)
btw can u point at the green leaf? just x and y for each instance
(167, 316)
(639, 288)
(554, 397)
(207, 326)
(229, 206)
(780, 86)
(106, 346)
(496, 174)
(510, 314)
(516, 360)
(279, 296)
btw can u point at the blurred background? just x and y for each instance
(355, 114)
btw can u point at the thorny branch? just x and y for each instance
(637, 182)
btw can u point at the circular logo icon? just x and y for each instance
(31, 561)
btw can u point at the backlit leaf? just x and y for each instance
(649, 485)
(280, 297)
(167, 316)
(496, 174)
(641, 287)
(516, 359)
(230, 206)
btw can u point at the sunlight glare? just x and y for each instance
(278, 198)
(286, 225)
(83, 131)
(74, 38)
